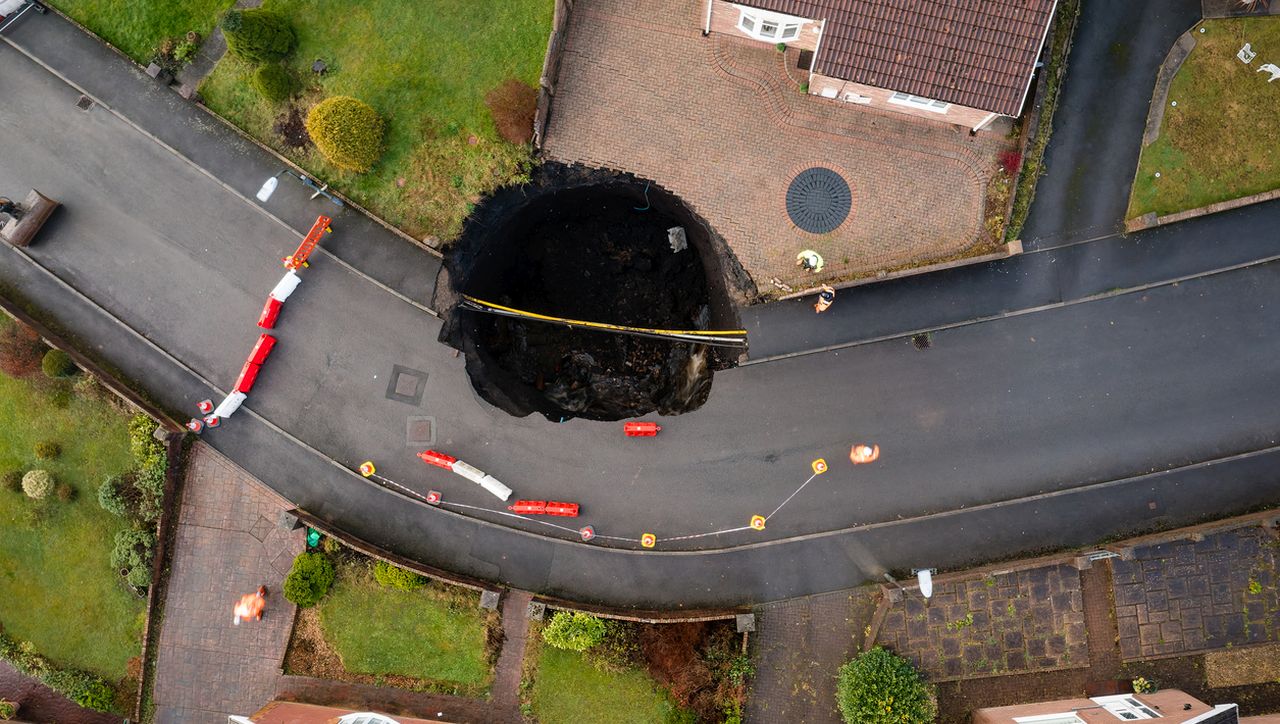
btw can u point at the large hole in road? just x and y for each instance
(587, 245)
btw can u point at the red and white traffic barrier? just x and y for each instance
(468, 471)
(230, 404)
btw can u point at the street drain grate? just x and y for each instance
(922, 341)
(84, 103)
(818, 200)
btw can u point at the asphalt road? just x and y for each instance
(990, 419)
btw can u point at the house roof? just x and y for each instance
(976, 53)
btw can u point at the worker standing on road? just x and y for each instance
(250, 605)
(826, 295)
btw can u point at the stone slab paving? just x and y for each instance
(720, 122)
(1185, 596)
(226, 544)
(1022, 621)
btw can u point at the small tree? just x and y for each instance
(396, 577)
(273, 82)
(37, 484)
(257, 35)
(20, 350)
(309, 579)
(57, 363)
(347, 131)
(880, 687)
(573, 631)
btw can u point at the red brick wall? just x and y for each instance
(724, 19)
(959, 115)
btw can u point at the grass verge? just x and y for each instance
(137, 26)
(427, 71)
(1216, 144)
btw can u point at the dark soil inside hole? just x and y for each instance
(597, 252)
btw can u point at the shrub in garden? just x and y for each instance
(83, 688)
(142, 444)
(48, 449)
(396, 577)
(65, 492)
(573, 631)
(20, 350)
(257, 35)
(272, 82)
(8, 709)
(117, 495)
(12, 480)
(309, 579)
(132, 555)
(513, 105)
(878, 687)
(57, 363)
(37, 484)
(347, 131)
(148, 483)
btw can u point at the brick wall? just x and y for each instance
(957, 114)
(724, 19)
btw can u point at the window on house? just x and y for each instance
(928, 104)
(769, 26)
(1126, 708)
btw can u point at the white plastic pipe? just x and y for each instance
(228, 406)
(285, 287)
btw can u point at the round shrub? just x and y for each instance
(12, 480)
(574, 631)
(133, 549)
(37, 484)
(117, 495)
(272, 82)
(309, 579)
(347, 131)
(257, 35)
(138, 576)
(48, 450)
(8, 709)
(57, 363)
(395, 577)
(879, 687)
(142, 442)
(65, 492)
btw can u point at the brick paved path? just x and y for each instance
(718, 122)
(506, 677)
(1100, 622)
(227, 544)
(38, 703)
(1186, 596)
(1031, 620)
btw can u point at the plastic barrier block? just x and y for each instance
(438, 459)
(528, 507)
(248, 376)
(495, 486)
(468, 471)
(262, 348)
(568, 510)
(270, 311)
(640, 429)
(286, 285)
(230, 404)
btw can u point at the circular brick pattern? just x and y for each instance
(818, 200)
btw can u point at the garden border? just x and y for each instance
(550, 70)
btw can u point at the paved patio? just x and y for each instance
(721, 122)
(227, 544)
(1186, 596)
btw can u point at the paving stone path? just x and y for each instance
(1186, 596)
(227, 544)
(39, 703)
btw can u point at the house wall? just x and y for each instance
(724, 19)
(957, 114)
(1168, 702)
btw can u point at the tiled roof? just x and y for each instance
(976, 53)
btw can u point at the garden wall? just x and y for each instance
(551, 69)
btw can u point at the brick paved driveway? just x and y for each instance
(721, 123)
(227, 544)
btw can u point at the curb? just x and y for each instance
(1012, 248)
(1150, 221)
(1176, 56)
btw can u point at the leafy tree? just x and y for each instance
(880, 687)
(309, 579)
(347, 131)
(573, 631)
(257, 35)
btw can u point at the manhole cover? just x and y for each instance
(84, 103)
(818, 200)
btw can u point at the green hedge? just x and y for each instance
(82, 687)
(390, 576)
(880, 687)
(574, 631)
(309, 579)
(257, 35)
(273, 82)
(347, 131)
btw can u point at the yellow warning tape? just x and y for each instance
(604, 325)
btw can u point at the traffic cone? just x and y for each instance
(195, 425)
(205, 406)
(212, 421)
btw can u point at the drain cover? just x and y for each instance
(818, 200)
(84, 103)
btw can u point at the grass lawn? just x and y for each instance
(430, 633)
(426, 67)
(138, 26)
(1220, 142)
(567, 688)
(56, 583)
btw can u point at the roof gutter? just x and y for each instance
(822, 32)
(1053, 11)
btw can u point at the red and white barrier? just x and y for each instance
(468, 471)
(286, 285)
(230, 404)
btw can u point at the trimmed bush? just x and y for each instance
(57, 363)
(133, 549)
(37, 484)
(148, 482)
(396, 577)
(138, 576)
(117, 495)
(21, 350)
(880, 687)
(142, 444)
(272, 82)
(309, 579)
(257, 35)
(573, 631)
(347, 131)
(47, 450)
(65, 492)
(513, 105)
(12, 481)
